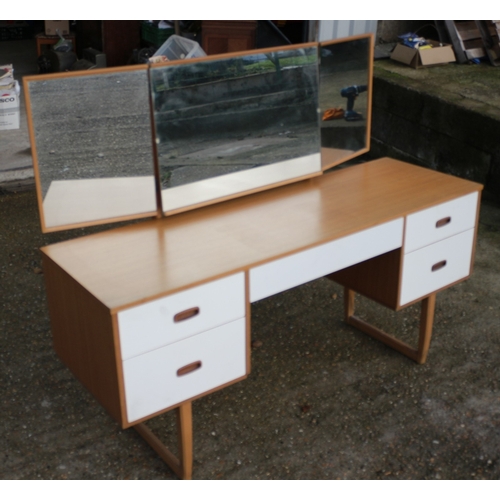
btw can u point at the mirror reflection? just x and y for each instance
(224, 126)
(92, 146)
(344, 97)
(235, 123)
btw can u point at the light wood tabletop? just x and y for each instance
(136, 263)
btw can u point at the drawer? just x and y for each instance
(152, 382)
(436, 266)
(299, 268)
(440, 221)
(161, 322)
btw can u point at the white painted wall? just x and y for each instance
(329, 30)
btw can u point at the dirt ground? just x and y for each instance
(323, 401)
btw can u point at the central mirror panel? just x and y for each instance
(235, 124)
(92, 146)
(345, 92)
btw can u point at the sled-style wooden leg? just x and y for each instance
(426, 321)
(182, 466)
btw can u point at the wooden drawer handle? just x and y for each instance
(442, 222)
(438, 266)
(188, 368)
(188, 313)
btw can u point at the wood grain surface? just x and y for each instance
(134, 264)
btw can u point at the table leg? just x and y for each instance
(427, 309)
(185, 439)
(426, 322)
(182, 466)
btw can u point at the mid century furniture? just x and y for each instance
(153, 315)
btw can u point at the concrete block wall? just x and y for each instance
(428, 130)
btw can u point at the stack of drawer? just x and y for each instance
(438, 247)
(182, 346)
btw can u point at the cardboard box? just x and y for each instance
(440, 53)
(9, 119)
(52, 26)
(10, 98)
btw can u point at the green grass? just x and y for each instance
(286, 62)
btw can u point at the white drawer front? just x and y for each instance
(299, 268)
(419, 279)
(154, 324)
(440, 222)
(151, 380)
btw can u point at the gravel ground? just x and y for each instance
(323, 401)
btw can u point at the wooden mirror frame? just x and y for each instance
(146, 204)
(371, 48)
(227, 186)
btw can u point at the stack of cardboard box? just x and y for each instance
(10, 94)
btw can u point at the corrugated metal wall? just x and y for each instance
(329, 30)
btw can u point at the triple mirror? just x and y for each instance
(125, 143)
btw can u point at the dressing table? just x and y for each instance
(153, 315)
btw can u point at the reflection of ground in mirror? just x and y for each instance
(331, 84)
(339, 133)
(90, 127)
(216, 117)
(211, 156)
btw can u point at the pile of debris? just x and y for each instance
(460, 41)
(473, 40)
